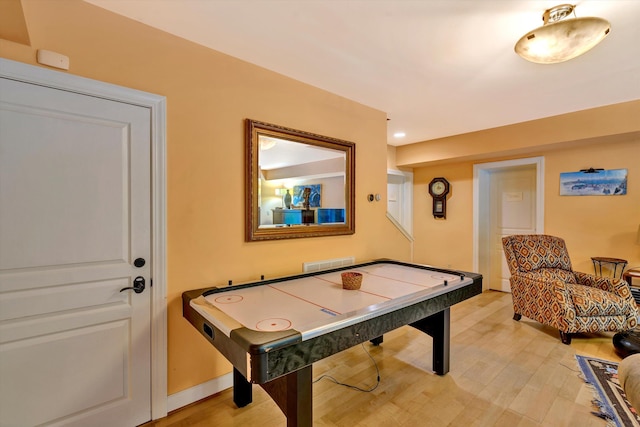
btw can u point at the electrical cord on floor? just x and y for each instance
(369, 390)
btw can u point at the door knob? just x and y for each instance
(138, 285)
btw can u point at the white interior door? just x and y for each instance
(74, 215)
(512, 210)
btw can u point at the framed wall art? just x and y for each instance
(315, 198)
(594, 182)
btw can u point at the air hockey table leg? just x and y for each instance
(242, 393)
(377, 341)
(438, 327)
(293, 394)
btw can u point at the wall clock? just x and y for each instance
(439, 188)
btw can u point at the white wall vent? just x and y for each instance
(327, 264)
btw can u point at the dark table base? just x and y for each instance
(627, 343)
(292, 392)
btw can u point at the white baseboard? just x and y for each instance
(193, 394)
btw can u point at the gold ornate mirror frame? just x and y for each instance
(320, 169)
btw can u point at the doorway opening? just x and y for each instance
(400, 201)
(508, 198)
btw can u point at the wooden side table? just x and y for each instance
(598, 261)
(630, 274)
(628, 277)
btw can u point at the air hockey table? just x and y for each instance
(272, 331)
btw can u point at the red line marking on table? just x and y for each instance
(359, 290)
(404, 281)
(229, 299)
(375, 295)
(274, 322)
(305, 300)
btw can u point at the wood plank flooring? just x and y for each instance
(503, 373)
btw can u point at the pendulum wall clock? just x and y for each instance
(439, 188)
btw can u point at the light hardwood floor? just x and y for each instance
(503, 373)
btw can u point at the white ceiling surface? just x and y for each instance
(436, 67)
(287, 153)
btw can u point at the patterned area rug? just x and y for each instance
(610, 400)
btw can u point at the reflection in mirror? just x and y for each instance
(298, 184)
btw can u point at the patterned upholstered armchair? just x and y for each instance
(545, 288)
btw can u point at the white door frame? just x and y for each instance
(481, 173)
(157, 105)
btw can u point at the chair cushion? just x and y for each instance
(590, 302)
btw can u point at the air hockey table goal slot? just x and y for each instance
(208, 330)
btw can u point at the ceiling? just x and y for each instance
(436, 67)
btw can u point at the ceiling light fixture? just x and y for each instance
(267, 143)
(399, 135)
(561, 39)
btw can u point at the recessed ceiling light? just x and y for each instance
(399, 135)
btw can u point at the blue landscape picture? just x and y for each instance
(599, 183)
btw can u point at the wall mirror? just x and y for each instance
(298, 184)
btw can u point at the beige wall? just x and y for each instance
(607, 137)
(595, 225)
(598, 125)
(208, 97)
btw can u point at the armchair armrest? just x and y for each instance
(539, 286)
(542, 282)
(616, 286)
